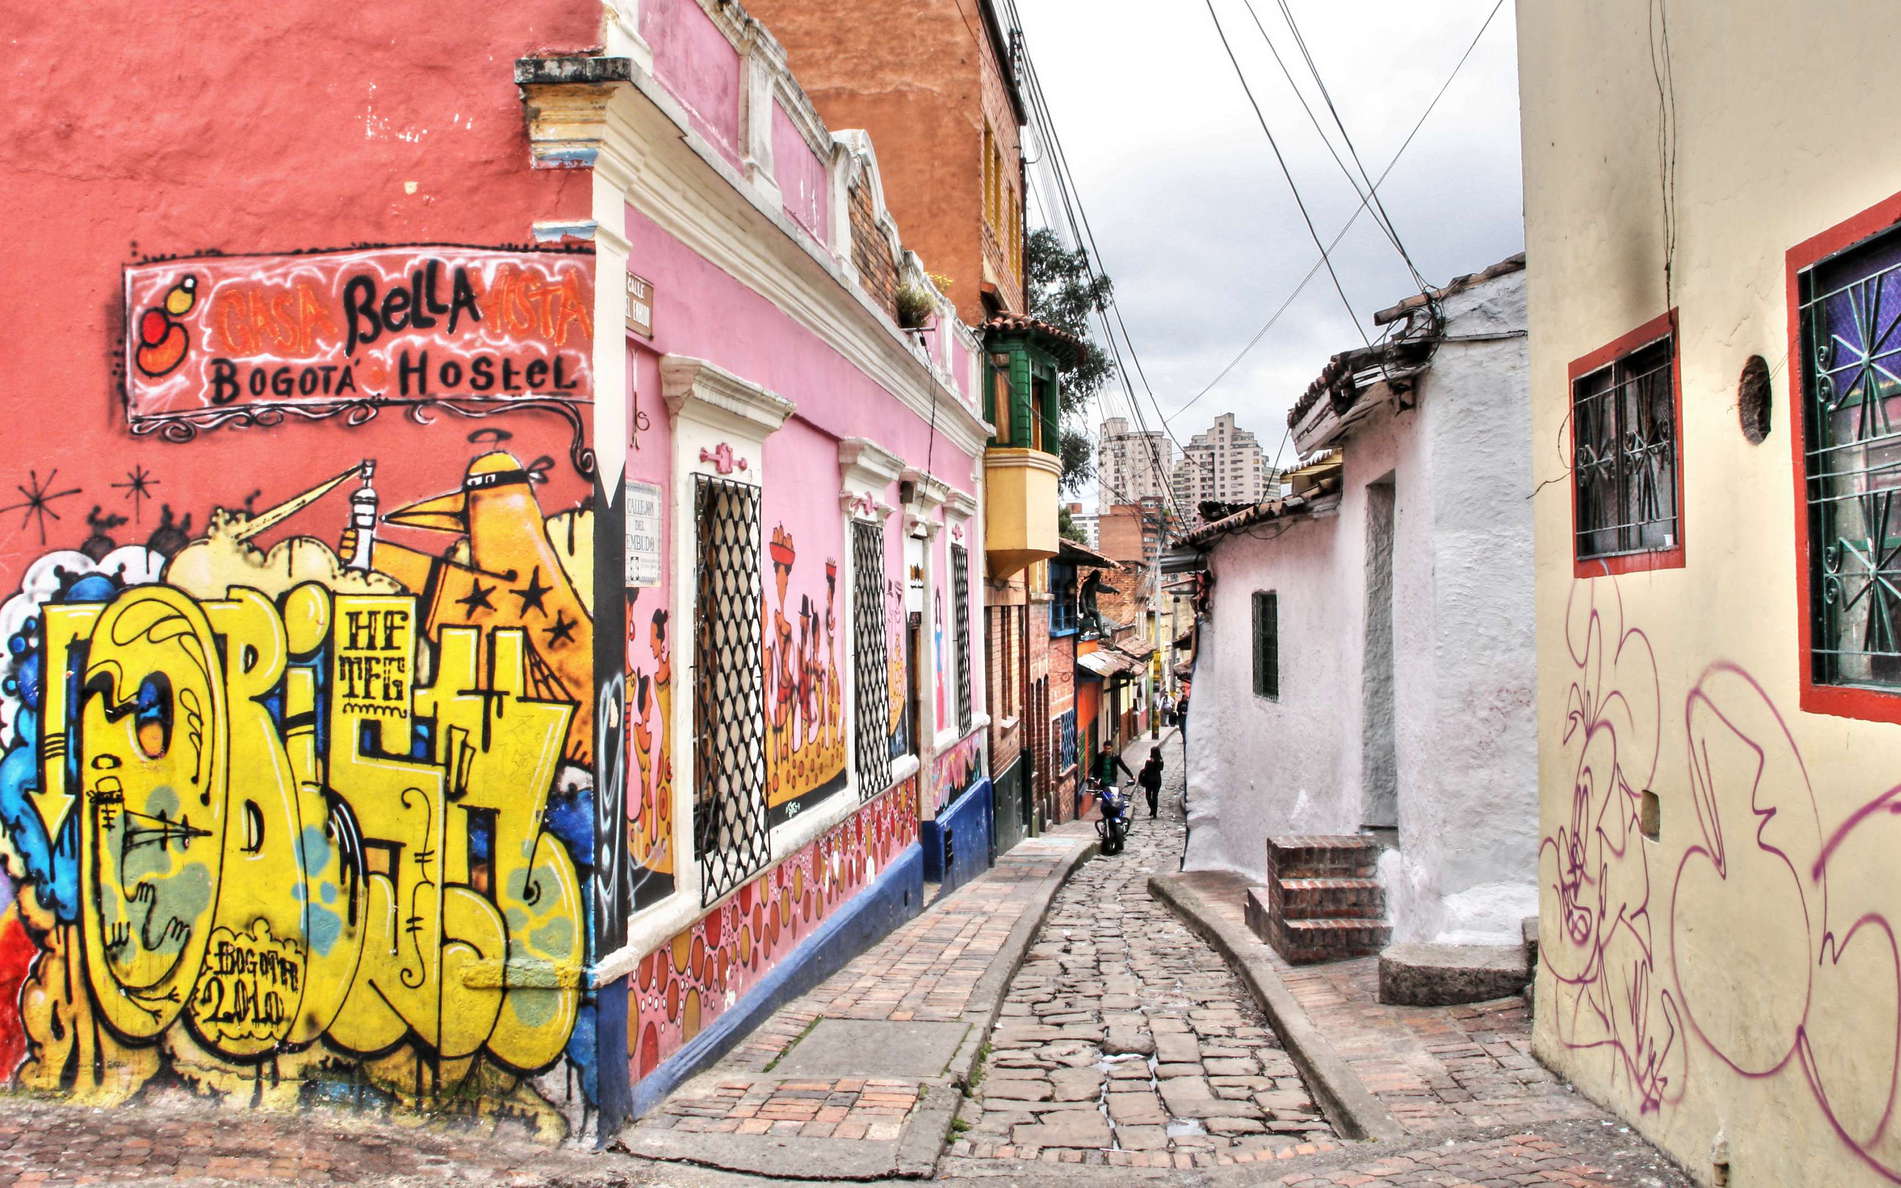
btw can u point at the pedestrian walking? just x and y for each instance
(1151, 778)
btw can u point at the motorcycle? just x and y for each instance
(1113, 828)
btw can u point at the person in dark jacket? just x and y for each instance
(1106, 763)
(1151, 778)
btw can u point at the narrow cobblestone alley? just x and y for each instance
(1123, 1040)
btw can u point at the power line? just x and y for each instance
(1366, 192)
(1066, 182)
(1300, 42)
(1285, 171)
(1086, 246)
(1314, 271)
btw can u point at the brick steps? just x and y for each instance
(1321, 901)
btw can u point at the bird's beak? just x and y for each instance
(444, 513)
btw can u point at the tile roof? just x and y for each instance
(1059, 341)
(1336, 378)
(1260, 513)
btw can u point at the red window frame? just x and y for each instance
(1653, 559)
(1842, 701)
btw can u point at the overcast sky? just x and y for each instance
(1194, 220)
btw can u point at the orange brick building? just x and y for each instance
(933, 82)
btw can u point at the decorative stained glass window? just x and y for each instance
(960, 593)
(1624, 463)
(730, 832)
(1851, 402)
(871, 679)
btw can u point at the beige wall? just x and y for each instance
(1716, 982)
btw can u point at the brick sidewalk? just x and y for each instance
(941, 968)
(1432, 1067)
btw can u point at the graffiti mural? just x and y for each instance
(288, 817)
(1762, 885)
(681, 987)
(1604, 952)
(650, 842)
(958, 768)
(900, 732)
(805, 707)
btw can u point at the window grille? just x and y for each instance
(1852, 459)
(871, 687)
(1624, 461)
(730, 833)
(1267, 645)
(960, 591)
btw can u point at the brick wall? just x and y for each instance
(871, 252)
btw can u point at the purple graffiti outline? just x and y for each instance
(1625, 1014)
(1822, 954)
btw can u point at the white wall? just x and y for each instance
(1257, 766)
(1464, 740)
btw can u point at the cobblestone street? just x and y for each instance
(1124, 1041)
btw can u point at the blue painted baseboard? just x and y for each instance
(966, 822)
(893, 897)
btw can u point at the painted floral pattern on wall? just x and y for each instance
(681, 987)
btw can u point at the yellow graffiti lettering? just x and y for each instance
(287, 836)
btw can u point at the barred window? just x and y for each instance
(1267, 645)
(960, 592)
(730, 832)
(1624, 453)
(1851, 399)
(871, 681)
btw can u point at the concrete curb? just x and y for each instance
(1354, 1112)
(927, 1132)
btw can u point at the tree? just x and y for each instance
(1067, 527)
(1063, 292)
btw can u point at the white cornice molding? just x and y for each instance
(960, 504)
(695, 195)
(927, 493)
(865, 462)
(709, 394)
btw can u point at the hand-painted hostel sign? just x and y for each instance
(221, 338)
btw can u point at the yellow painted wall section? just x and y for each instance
(1734, 985)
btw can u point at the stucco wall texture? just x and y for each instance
(1731, 987)
(1462, 653)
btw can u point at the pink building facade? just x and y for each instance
(482, 604)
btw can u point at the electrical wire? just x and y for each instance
(1287, 173)
(1366, 192)
(1086, 245)
(1314, 271)
(1300, 42)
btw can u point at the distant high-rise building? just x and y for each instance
(1085, 523)
(1131, 464)
(1225, 464)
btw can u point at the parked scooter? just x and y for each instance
(1113, 828)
